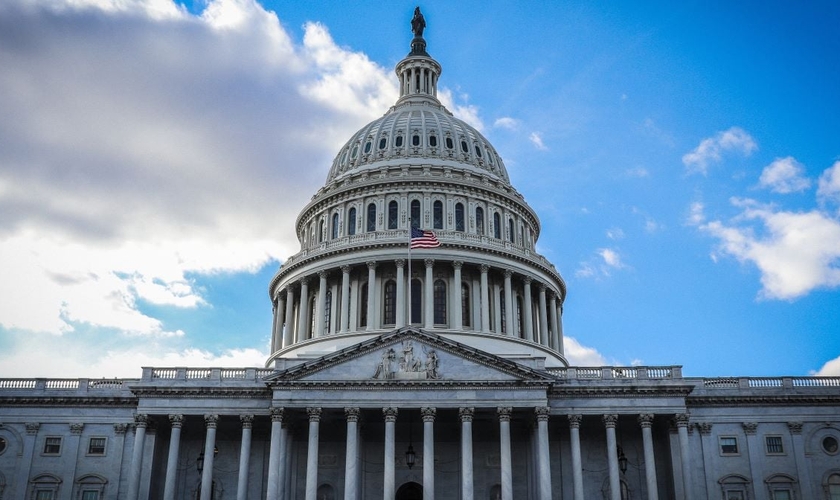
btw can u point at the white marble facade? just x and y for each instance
(435, 373)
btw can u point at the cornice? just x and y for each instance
(201, 392)
(409, 385)
(774, 400)
(65, 401)
(621, 391)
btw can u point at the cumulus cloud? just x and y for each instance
(712, 149)
(537, 141)
(784, 175)
(465, 111)
(796, 252)
(606, 261)
(828, 189)
(580, 355)
(134, 150)
(830, 369)
(506, 122)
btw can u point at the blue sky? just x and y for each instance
(684, 160)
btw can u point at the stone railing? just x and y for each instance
(79, 385)
(618, 372)
(183, 373)
(769, 382)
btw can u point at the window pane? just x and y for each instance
(96, 446)
(335, 226)
(43, 495)
(327, 311)
(782, 495)
(364, 306)
(90, 495)
(52, 445)
(774, 444)
(351, 222)
(440, 302)
(459, 217)
(415, 213)
(393, 212)
(390, 313)
(497, 226)
(479, 220)
(728, 445)
(734, 495)
(437, 215)
(371, 217)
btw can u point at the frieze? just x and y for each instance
(406, 366)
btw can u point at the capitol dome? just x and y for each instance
(418, 169)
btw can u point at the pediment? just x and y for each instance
(410, 355)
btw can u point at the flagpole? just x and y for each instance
(409, 273)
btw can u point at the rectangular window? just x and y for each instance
(782, 495)
(90, 495)
(96, 446)
(774, 445)
(52, 445)
(728, 446)
(43, 495)
(734, 495)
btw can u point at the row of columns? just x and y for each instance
(548, 306)
(279, 444)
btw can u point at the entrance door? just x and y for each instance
(410, 491)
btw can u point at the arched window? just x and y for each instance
(437, 214)
(439, 293)
(351, 222)
(90, 487)
(497, 226)
(459, 216)
(371, 217)
(45, 487)
(511, 232)
(335, 225)
(389, 316)
(327, 311)
(465, 305)
(393, 213)
(479, 220)
(363, 306)
(416, 300)
(832, 487)
(320, 230)
(415, 213)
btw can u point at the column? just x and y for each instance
(303, 311)
(320, 305)
(372, 295)
(244, 457)
(529, 318)
(209, 455)
(312, 453)
(682, 431)
(429, 294)
(388, 488)
(345, 299)
(284, 464)
(646, 421)
(400, 263)
(497, 310)
(753, 448)
(710, 449)
(279, 315)
(466, 415)
(543, 317)
(428, 452)
(274, 453)
(289, 333)
(577, 465)
(543, 457)
(485, 300)
(555, 331)
(140, 423)
(612, 456)
(71, 446)
(351, 459)
(504, 413)
(559, 333)
(802, 469)
(26, 460)
(457, 311)
(510, 307)
(175, 421)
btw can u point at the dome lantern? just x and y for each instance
(418, 72)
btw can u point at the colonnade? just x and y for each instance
(277, 486)
(478, 298)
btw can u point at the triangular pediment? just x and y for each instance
(411, 355)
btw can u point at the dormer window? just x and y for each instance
(465, 147)
(477, 151)
(398, 142)
(382, 143)
(367, 147)
(355, 152)
(449, 143)
(433, 141)
(415, 140)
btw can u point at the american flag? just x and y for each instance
(423, 239)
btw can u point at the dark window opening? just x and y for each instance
(367, 147)
(437, 214)
(382, 143)
(371, 217)
(416, 291)
(393, 212)
(351, 222)
(439, 293)
(459, 216)
(449, 143)
(433, 141)
(399, 141)
(465, 305)
(389, 316)
(479, 220)
(415, 213)
(497, 226)
(364, 306)
(415, 140)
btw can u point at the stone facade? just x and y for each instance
(432, 372)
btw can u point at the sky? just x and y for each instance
(683, 157)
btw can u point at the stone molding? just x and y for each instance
(77, 428)
(574, 420)
(121, 428)
(705, 428)
(610, 420)
(542, 413)
(314, 413)
(277, 414)
(749, 428)
(428, 413)
(247, 420)
(32, 428)
(795, 427)
(352, 414)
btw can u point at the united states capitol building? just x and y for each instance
(436, 372)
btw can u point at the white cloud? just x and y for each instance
(536, 140)
(796, 252)
(695, 214)
(615, 233)
(830, 369)
(506, 122)
(467, 112)
(784, 175)
(602, 266)
(611, 258)
(828, 189)
(580, 355)
(711, 150)
(144, 143)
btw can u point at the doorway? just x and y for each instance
(410, 491)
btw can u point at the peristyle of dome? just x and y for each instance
(418, 166)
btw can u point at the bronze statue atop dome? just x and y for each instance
(418, 23)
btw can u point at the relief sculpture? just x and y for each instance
(407, 366)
